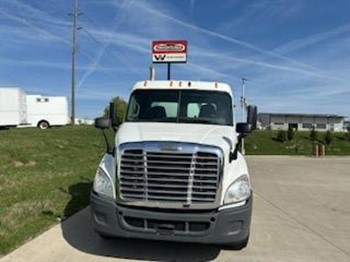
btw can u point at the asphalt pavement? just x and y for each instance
(301, 213)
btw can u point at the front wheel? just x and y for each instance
(43, 125)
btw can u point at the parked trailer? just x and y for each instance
(12, 107)
(46, 111)
(20, 110)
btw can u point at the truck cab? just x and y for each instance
(174, 171)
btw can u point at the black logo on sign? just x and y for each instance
(159, 57)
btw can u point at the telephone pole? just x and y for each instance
(75, 16)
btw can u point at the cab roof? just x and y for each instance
(183, 84)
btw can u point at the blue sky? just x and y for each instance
(295, 53)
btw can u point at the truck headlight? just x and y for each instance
(103, 184)
(238, 191)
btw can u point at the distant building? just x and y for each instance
(303, 122)
(346, 125)
(84, 121)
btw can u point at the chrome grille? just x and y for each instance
(169, 176)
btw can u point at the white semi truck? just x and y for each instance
(174, 171)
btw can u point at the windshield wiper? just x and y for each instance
(198, 120)
(150, 120)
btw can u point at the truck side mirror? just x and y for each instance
(103, 123)
(113, 114)
(243, 128)
(252, 116)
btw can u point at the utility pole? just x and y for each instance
(243, 106)
(75, 16)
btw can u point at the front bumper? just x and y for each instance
(228, 226)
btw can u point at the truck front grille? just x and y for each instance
(169, 176)
(167, 225)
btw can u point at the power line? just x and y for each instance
(99, 43)
(81, 51)
(111, 54)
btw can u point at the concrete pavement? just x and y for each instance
(301, 213)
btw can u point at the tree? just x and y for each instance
(313, 134)
(328, 138)
(120, 105)
(290, 134)
(282, 136)
(348, 133)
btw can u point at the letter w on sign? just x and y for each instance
(159, 57)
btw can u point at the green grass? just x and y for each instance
(45, 176)
(265, 143)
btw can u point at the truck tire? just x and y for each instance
(43, 125)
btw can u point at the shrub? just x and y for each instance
(347, 135)
(328, 138)
(290, 134)
(313, 134)
(282, 136)
(120, 106)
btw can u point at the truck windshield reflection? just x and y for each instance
(181, 106)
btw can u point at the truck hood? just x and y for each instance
(222, 136)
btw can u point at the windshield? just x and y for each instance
(180, 106)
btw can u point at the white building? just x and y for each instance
(302, 122)
(84, 121)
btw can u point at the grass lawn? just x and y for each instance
(266, 143)
(45, 176)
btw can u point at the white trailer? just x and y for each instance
(46, 111)
(12, 107)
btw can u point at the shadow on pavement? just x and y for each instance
(78, 232)
(79, 193)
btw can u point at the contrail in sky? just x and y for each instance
(32, 25)
(223, 37)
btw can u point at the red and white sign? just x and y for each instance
(169, 51)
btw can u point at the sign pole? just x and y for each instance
(169, 67)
